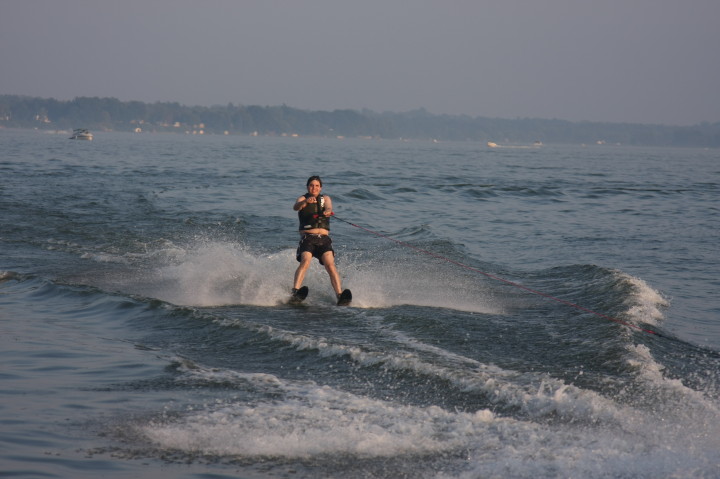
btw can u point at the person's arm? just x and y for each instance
(328, 206)
(300, 203)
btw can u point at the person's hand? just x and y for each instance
(312, 199)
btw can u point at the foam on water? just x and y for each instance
(217, 273)
(306, 420)
(535, 394)
(309, 420)
(644, 304)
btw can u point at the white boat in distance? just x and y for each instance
(81, 134)
(537, 144)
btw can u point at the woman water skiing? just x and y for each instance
(314, 212)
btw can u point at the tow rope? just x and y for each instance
(503, 280)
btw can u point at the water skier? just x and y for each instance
(314, 212)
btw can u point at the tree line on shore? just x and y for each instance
(112, 114)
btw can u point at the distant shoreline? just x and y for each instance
(110, 114)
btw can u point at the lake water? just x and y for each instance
(518, 312)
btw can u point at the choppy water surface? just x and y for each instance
(143, 330)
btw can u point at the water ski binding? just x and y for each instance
(298, 295)
(344, 298)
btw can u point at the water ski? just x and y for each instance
(344, 298)
(298, 295)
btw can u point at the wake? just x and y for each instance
(218, 273)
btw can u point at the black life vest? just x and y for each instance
(312, 216)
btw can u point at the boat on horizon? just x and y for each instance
(81, 134)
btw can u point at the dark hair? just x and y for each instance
(313, 178)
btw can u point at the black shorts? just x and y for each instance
(318, 245)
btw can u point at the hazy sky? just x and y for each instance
(648, 61)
